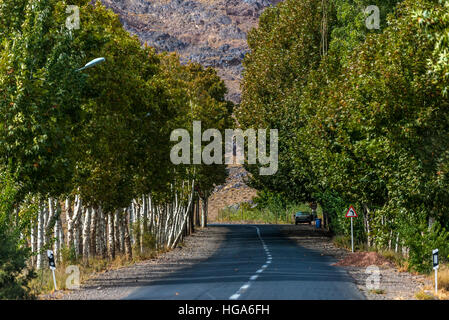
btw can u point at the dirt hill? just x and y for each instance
(232, 192)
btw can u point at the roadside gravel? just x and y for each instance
(394, 285)
(119, 283)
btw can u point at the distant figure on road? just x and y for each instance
(234, 150)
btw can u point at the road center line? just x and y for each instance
(245, 287)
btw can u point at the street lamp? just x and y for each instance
(92, 63)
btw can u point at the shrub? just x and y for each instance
(342, 241)
(68, 255)
(270, 200)
(14, 275)
(148, 242)
(422, 240)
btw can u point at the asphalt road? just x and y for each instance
(256, 262)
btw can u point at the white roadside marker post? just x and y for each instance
(51, 263)
(435, 267)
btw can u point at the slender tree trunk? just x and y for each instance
(40, 237)
(197, 212)
(122, 230)
(367, 219)
(48, 221)
(86, 234)
(143, 221)
(33, 243)
(58, 231)
(149, 213)
(153, 218)
(390, 239)
(397, 243)
(98, 231)
(69, 219)
(186, 214)
(136, 224)
(76, 239)
(61, 236)
(189, 219)
(117, 231)
(127, 240)
(103, 233)
(111, 240)
(192, 217)
(204, 212)
(93, 232)
(131, 223)
(73, 222)
(57, 243)
(78, 234)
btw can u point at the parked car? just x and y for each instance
(303, 217)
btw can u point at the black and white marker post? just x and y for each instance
(51, 263)
(435, 267)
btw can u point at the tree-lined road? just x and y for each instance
(255, 262)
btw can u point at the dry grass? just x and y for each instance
(43, 284)
(443, 284)
(404, 267)
(422, 295)
(341, 241)
(397, 259)
(443, 277)
(378, 291)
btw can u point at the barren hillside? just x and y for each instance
(211, 32)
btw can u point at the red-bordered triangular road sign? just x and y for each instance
(351, 213)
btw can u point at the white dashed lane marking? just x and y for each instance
(245, 287)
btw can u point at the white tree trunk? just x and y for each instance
(367, 224)
(57, 244)
(122, 216)
(136, 230)
(69, 220)
(40, 236)
(93, 232)
(143, 220)
(117, 231)
(390, 240)
(33, 241)
(103, 233)
(61, 236)
(78, 232)
(131, 223)
(127, 240)
(111, 242)
(397, 243)
(86, 234)
(73, 217)
(48, 213)
(149, 213)
(185, 215)
(204, 203)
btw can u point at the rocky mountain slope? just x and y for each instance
(211, 32)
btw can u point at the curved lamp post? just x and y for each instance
(92, 63)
